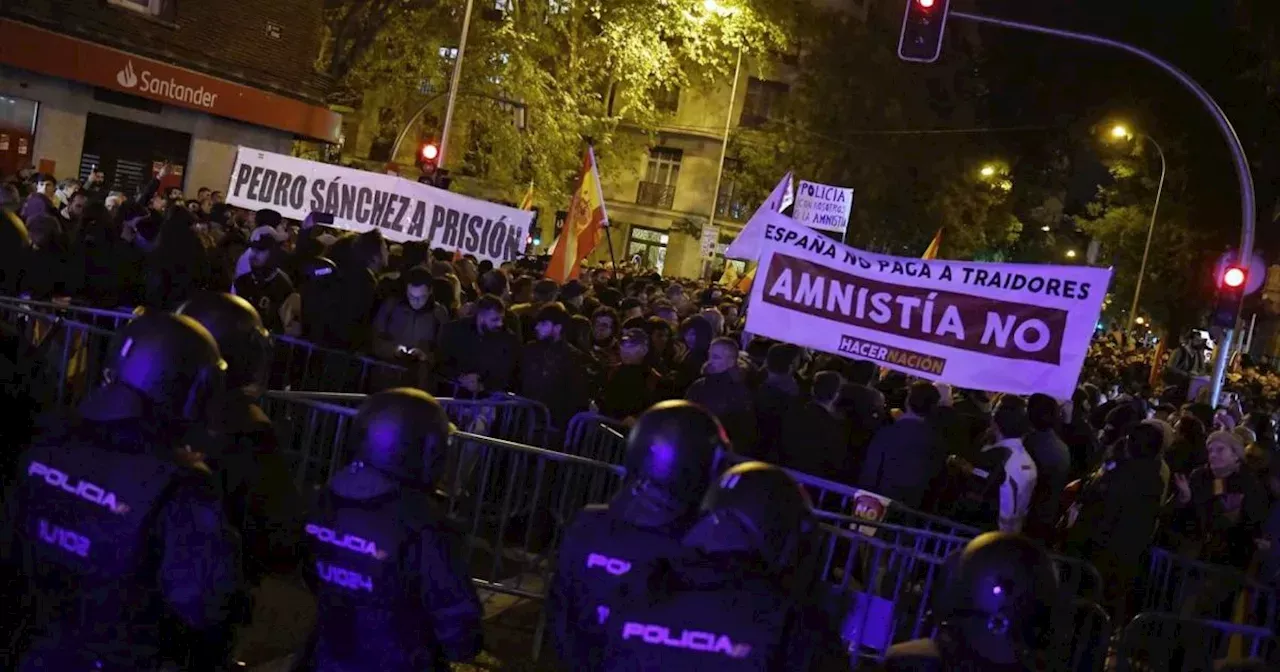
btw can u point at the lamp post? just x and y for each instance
(1120, 132)
(714, 7)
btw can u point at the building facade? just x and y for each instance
(126, 85)
(659, 211)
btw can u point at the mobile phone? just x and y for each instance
(322, 217)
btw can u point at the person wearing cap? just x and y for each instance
(1221, 506)
(631, 385)
(552, 371)
(265, 286)
(267, 224)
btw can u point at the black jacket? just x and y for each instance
(492, 355)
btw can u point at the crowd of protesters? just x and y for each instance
(1120, 467)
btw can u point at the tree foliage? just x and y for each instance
(1178, 275)
(860, 117)
(579, 70)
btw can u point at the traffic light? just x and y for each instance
(922, 28)
(428, 155)
(1231, 286)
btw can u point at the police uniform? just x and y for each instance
(602, 555)
(392, 589)
(727, 605)
(610, 551)
(239, 443)
(719, 613)
(119, 530)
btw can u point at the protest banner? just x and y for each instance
(360, 201)
(746, 246)
(1018, 328)
(823, 207)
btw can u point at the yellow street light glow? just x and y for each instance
(988, 170)
(1045, 228)
(717, 8)
(1071, 254)
(1140, 320)
(1119, 132)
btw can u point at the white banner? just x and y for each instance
(746, 246)
(710, 237)
(823, 207)
(1019, 328)
(360, 200)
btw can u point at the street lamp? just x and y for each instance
(1140, 321)
(1120, 132)
(715, 8)
(1045, 228)
(1071, 254)
(988, 170)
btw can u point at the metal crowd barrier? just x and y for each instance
(1159, 642)
(883, 577)
(301, 365)
(1194, 589)
(597, 437)
(71, 345)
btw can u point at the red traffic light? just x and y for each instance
(1233, 277)
(925, 4)
(429, 151)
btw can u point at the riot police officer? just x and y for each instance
(240, 443)
(393, 592)
(671, 455)
(117, 525)
(995, 610)
(732, 604)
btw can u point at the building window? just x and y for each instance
(764, 101)
(667, 100)
(647, 248)
(658, 190)
(729, 202)
(166, 10)
(664, 166)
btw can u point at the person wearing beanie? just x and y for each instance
(1220, 507)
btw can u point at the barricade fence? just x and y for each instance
(880, 559)
(1190, 588)
(1154, 642)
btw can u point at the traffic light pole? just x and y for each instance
(1248, 206)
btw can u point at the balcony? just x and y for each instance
(656, 195)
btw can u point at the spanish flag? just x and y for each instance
(932, 251)
(584, 226)
(744, 285)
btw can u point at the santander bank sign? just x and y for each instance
(165, 88)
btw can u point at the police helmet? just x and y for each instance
(754, 507)
(403, 433)
(236, 326)
(673, 449)
(1006, 583)
(170, 360)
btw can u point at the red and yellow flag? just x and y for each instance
(744, 284)
(932, 251)
(584, 227)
